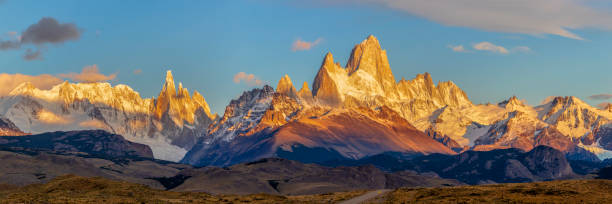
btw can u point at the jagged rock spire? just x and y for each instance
(305, 92)
(285, 86)
(178, 105)
(368, 78)
(370, 58)
(324, 87)
(169, 87)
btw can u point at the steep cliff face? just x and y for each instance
(368, 61)
(325, 88)
(169, 124)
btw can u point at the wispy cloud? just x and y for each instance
(534, 17)
(46, 31)
(249, 79)
(32, 55)
(137, 71)
(300, 45)
(523, 49)
(490, 47)
(601, 97)
(89, 74)
(457, 48)
(487, 46)
(11, 33)
(547, 100)
(604, 105)
(8, 82)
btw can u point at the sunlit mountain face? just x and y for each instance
(361, 110)
(320, 101)
(352, 112)
(170, 124)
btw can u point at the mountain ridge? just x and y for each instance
(442, 111)
(169, 124)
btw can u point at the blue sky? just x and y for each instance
(206, 43)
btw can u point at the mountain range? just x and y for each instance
(352, 112)
(170, 124)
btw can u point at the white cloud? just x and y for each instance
(249, 79)
(487, 46)
(90, 74)
(300, 45)
(457, 48)
(521, 49)
(8, 82)
(535, 17)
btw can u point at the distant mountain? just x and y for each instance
(479, 167)
(29, 167)
(170, 124)
(96, 143)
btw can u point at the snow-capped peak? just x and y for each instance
(169, 124)
(572, 116)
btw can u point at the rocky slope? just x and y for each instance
(29, 166)
(479, 167)
(280, 176)
(8, 128)
(170, 124)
